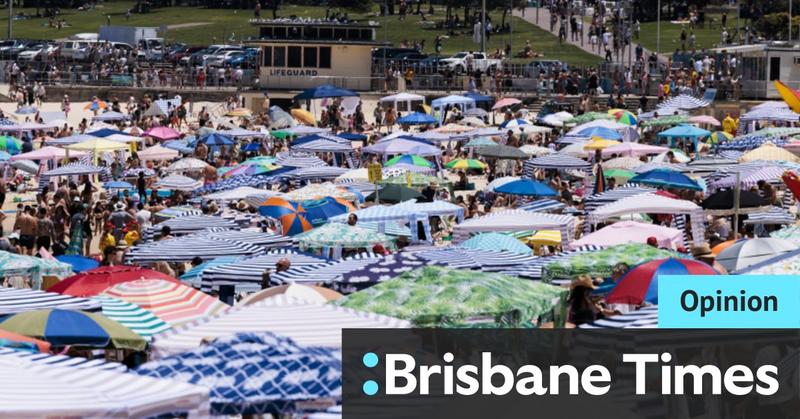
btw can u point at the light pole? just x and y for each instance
(483, 26)
(10, 15)
(790, 20)
(658, 29)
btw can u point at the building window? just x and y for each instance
(267, 56)
(310, 57)
(295, 57)
(279, 59)
(324, 57)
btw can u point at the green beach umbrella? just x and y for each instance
(588, 117)
(666, 121)
(409, 159)
(462, 164)
(435, 296)
(601, 263)
(73, 327)
(394, 194)
(621, 176)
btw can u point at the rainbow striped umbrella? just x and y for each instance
(465, 164)
(139, 320)
(174, 303)
(409, 159)
(291, 215)
(624, 117)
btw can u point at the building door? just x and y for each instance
(774, 68)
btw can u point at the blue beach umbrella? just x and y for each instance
(666, 178)
(319, 211)
(417, 118)
(216, 140)
(525, 187)
(79, 263)
(117, 185)
(602, 132)
(514, 123)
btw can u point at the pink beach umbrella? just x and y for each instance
(502, 103)
(163, 133)
(705, 119)
(631, 232)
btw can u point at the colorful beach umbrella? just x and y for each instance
(624, 117)
(514, 123)
(600, 181)
(10, 145)
(410, 159)
(96, 105)
(602, 132)
(95, 281)
(464, 164)
(73, 327)
(174, 303)
(525, 187)
(139, 320)
(597, 143)
(640, 284)
(290, 214)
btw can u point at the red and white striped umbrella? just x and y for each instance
(175, 303)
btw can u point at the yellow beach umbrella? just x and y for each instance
(789, 95)
(303, 116)
(98, 145)
(769, 152)
(545, 238)
(598, 143)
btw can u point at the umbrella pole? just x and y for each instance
(736, 191)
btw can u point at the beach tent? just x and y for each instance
(652, 203)
(185, 249)
(246, 275)
(324, 91)
(178, 183)
(403, 102)
(306, 323)
(602, 262)
(441, 105)
(403, 146)
(46, 153)
(515, 220)
(684, 131)
(632, 232)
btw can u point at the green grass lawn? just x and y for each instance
(671, 35)
(224, 24)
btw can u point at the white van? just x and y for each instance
(79, 50)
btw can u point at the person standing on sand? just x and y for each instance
(28, 228)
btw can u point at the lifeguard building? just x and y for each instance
(303, 53)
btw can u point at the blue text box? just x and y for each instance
(768, 302)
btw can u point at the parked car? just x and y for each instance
(408, 58)
(41, 51)
(12, 50)
(480, 61)
(183, 57)
(218, 58)
(430, 65)
(390, 53)
(246, 59)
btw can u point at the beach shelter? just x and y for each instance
(601, 263)
(501, 152)
(140, 321)
(394, 194)
(12, 264)
(403, 102)
(206, 246)
(46, 153)
(158, 152)
(496, 241)
(515, 220)
(684, 131)
(73, 327)
(95, 281)
(324, 91)
(435, 296)
(442, 104)
(18, 300)
(745, 253)
(632, 149)
(79, 263)
(342, 236)
(403, 146)
(98, 145)
(78, 387)
(255, 373)
(631, 232)
(769, 152)
(174, 303)
(640, 284)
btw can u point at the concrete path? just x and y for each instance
(544, 23)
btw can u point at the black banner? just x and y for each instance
(577, 373)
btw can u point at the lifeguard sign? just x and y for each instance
(305, 53)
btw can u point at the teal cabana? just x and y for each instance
(684, 131)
